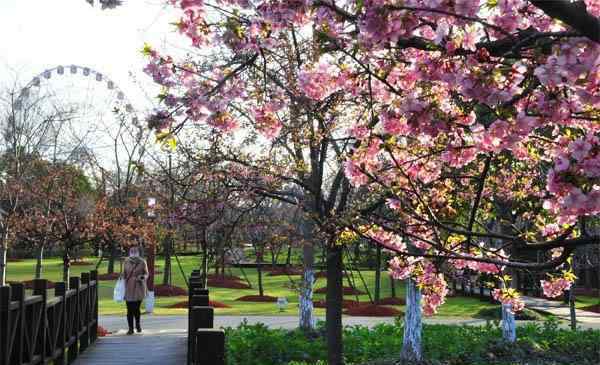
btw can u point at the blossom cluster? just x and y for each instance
(509, 297)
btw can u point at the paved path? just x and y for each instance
(559, 309)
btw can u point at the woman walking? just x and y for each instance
(135, 274)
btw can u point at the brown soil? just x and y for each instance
(29, 284)
(592, 308)
(107, 276)
(372, 310)
(211, 303)
(321, 274)
(280, 271)
(13, 260)
(230, 284)
(392, 301)
(221, 277)
(169, 291)
(345, 304)
(346, 290)
(81, 263)
(257, 298)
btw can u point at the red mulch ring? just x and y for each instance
(211, 303)
(392, 301)
(586, 291)
(592, 308)
(107, 276)
(346, 290)
(81, 263)
(102, 332)
(280, 271)
(345, 304)
(257, 298)
(321, 274)
(372, 310)
(13, 260)
(169, 291)
(229, 284)
(223, 277)
(29, 284)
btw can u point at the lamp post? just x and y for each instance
(150, 260)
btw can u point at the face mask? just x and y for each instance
(134, 253)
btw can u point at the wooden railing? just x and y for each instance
(206, 345)
(40, 330)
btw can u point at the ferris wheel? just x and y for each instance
(79, 114)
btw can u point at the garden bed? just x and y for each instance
(392, 301)
(346, 290)
(211, 303)
(345, 304)
(281, 271)
(373, 310)
(223, 277)
(592, 308)
(257, 298)
(107, 276)
(81, 263)
(169, 291)
(229, 284)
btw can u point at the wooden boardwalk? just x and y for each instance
(152, 347)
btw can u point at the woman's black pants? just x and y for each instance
(133, 311)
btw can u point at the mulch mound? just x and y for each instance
(592, 308)
(586, 291)
(229, 284)
(280, 271)
(169, 291)
(345, 304)
(346, 290)
(81, 263)
(257, 298)
(223, 277)
(13, 260)
(211, 303)
(372, 310)
(321, 274)
(107, 276)
(29, 284)
(102, 332)
(392, 301)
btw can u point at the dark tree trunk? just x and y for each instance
(378, 274)
(288, 260)
(112, 258)
(66, 267)
(167, 269)
(333, 316)
(393, 286)
(38, 263)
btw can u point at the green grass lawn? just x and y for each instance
(277, 286)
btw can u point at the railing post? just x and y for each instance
(74, 284)
(200, 317)
(60, 290)
(209, 347)
(94, 304)
(18, 295)
(85, 312)
(40, 287)
(5, 324)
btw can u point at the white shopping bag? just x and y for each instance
(119, 292)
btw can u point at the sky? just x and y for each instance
(41, 34)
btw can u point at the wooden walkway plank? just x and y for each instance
(162, 347)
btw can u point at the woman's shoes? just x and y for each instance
(138, 328)
(130, 332)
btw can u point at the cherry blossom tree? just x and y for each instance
(451, 116)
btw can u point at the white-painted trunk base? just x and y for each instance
(509, 326)
(411, 344)
(307, 317)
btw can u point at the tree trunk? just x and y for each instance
(509, 326)
(393, 286)
(378, 275)
(167, 268)
(260, 283)
(113, 257)
(38, 263)
(412, 350)
(333, 317)
(204, 265)
(306, 318)
(3, 249)
(288, 260)
(66, 267)
(572, 314)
